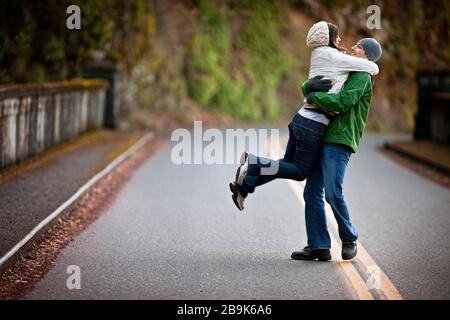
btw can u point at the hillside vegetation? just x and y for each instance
(243, 59)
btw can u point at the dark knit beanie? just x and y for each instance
(372, 48)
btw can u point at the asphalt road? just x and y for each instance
(174, 233)
(28, 199)
(31, 195)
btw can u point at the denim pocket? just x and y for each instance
(300, 137)
(315, 137)
(310, 134)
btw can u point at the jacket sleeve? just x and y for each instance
(352, 92)
(347, 63)
(304, 88)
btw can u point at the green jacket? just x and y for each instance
(352, 103)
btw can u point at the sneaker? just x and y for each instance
(238, 199)
(349, 250)
(311, 254)
(241, 172)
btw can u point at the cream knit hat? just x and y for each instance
(318, 35)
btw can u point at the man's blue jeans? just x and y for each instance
(302, 151)
(328, 176)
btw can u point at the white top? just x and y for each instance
(334, 65)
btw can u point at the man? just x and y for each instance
(340, 141)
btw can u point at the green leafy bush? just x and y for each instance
(216, 81)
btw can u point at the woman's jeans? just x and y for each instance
(328, 176)
(302, 151)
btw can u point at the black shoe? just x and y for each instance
(349, 250)
(238, 199)
(241, 172)
(233, 187)
(311, 254)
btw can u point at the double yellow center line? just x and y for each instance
(374, 275)
(367, 279)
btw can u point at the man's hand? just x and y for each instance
(317, 84)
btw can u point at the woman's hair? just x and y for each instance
(334, 34)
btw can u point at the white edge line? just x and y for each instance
(139, 144)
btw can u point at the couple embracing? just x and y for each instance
(323, 135)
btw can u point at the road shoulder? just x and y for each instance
(35, 260)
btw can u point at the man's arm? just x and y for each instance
(305, 89)
(353, 90)
(316, 84)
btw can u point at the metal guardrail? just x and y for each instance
(35, 117)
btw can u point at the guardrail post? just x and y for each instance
(9, 133)
(23, 128)
(35, 117)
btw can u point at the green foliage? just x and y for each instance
(210, 49)
(230, 58)
(215, 80)
(208, 79)
(35, 44)
(266, 59)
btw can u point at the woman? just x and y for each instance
(308, 126)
